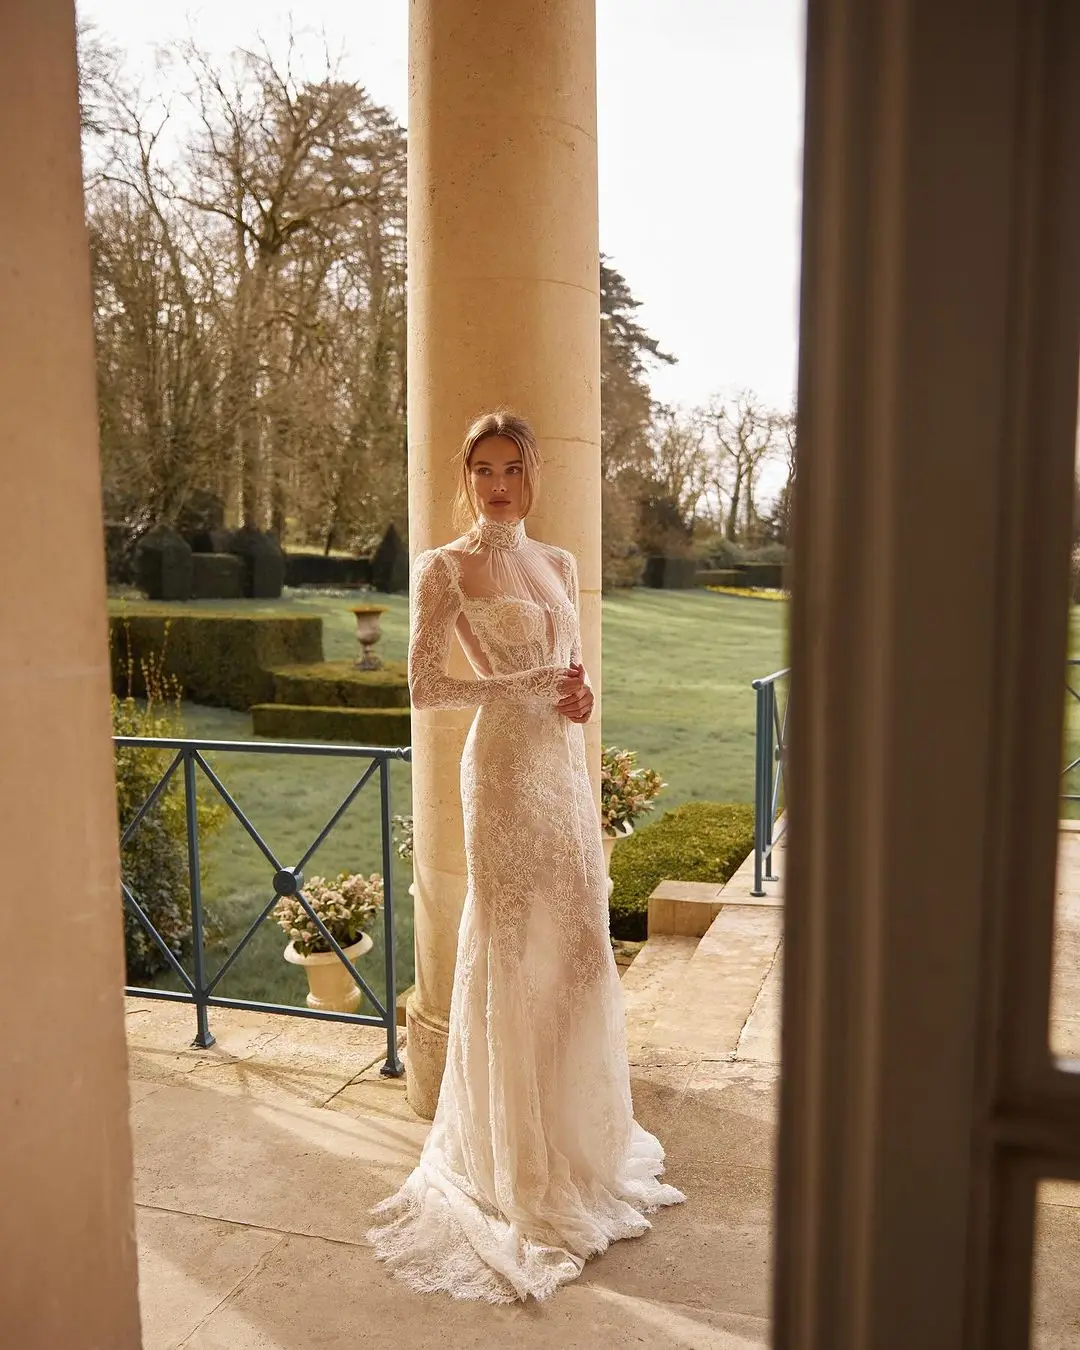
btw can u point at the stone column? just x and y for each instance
(68, 1274)
(503, 310)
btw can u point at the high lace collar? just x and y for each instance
(500, 533)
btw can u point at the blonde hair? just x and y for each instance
(502, 422)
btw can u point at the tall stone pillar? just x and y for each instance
(68, 1275)
(503, 310)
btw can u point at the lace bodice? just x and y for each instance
(513, 603)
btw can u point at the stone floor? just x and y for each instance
(257, 1161)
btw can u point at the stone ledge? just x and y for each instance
(683, 908)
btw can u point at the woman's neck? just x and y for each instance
(500, 533)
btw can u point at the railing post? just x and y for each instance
(771, 783)
(761, 787)
(393, 1067)
(203, 1036)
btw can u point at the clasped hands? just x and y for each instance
(576, 698)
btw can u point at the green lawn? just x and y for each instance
(677, 672)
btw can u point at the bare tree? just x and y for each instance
(745, 437)
(250, 298)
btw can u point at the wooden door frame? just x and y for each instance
(940, 329)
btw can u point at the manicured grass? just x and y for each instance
(676, 686)
(676, 682)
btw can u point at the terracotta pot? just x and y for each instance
(330, 986)
(610, 839)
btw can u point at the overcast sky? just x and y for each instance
(700, 123)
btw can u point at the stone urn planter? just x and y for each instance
(330, 986)
(611, 838)
(368, 632)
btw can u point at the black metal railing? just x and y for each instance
(770, 741)
(1070, 679)
(200, 989)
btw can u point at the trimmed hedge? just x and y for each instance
(754, 575)
(361, 726)
(339, 684)
(217, 576)
(222, 659)
(716, 576)
(699, 841)
(669, 574)
(317, 569)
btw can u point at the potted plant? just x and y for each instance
(346, 906)
(626, 792)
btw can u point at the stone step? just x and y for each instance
(684, 908)
(760, 1039)
(706, 1012)
(649, 981)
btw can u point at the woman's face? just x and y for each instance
(497, 476)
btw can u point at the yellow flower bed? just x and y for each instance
(749, 594)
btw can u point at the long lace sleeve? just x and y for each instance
(436, 602)
(571, 578)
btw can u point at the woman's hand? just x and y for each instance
(576, 701)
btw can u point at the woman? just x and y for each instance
(534, 1160)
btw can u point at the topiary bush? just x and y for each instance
(222, 659)
(217, 576)
(263, 562)
(699, 841)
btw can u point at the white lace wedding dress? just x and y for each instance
(534, 1160)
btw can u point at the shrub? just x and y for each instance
(700, 841)
(317, 569)
(217, 576)
(726, 554)
(775, 554)
(758, 576)
(163, 566)
(223, 659)
(153, 863)
(360, 726)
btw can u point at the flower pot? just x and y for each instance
(330, 986)
(610, 839)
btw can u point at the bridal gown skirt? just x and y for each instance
(534, 1161)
